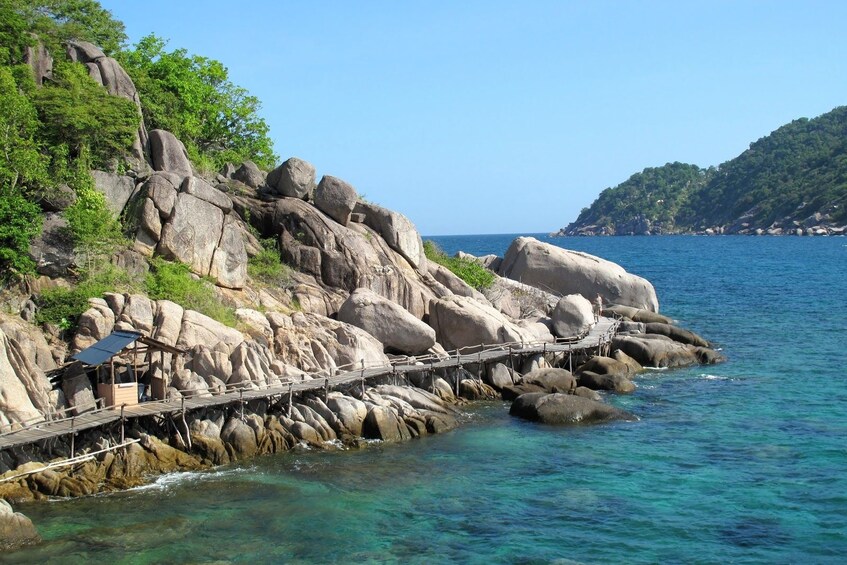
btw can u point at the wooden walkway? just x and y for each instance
(600, 335)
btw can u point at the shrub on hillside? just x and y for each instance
(468, 270)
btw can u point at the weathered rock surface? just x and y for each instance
(250, 174)
(388, 322)
(676, 333)
(461, 322)
(294, 178)
(397, 230)
(168, 153)
(116, 188)
(636, 314)
(573, 316)
(611, 382)
(551, 380)
(16, 530)
(655, 352)
(336, 199)
(565, 409)
(571, 272)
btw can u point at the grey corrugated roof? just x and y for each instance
(106, 347)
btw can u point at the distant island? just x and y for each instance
(793, 181)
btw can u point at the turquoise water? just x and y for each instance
(744, 462)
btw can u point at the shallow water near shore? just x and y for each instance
(740, 462)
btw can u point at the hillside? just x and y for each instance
(793, 179)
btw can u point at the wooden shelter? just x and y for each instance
(122, 360)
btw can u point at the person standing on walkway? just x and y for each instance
(599, 302)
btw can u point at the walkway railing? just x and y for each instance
(599, 337)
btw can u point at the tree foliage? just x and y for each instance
(796, 171)
(192, 97)
(78, 112)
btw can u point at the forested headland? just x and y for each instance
(791, 181)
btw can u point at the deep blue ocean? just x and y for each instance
(744, 462)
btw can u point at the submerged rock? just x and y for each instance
(16, 530)
(565, 409)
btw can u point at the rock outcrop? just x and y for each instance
(388, 322)
(573, 316)
(464, 323)
(336, 199)
(294, 178)
(16, 530)
(572, 272)
(565, 409)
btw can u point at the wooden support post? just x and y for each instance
(290, 397)
(326, 390)
(570, 358)
(123, 420)
(240, 402)
(511, 363)
(73, 436)
(479, 366)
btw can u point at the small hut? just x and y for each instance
(125, 365)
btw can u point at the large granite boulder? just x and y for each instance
(461, 322)
(565, 409)
(229, 261)
(388, 322)
(572, 272)
(656, 350)
(610, 382)
(199, 329)
(573, 316)
(636, 314)
(250, 174)
(193, 233)
(551, 380)
(340, 258)
(336, 199)
(397, 230)
(40, 61)
(676, 333)
(168, 153)
(16, 404)
(384, 423)
(16, 530)
(295, 178)
(453, 283)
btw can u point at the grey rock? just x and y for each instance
(53, 249)
(573, 316)
(40, 61)
(676, 333)
(551, 380)
(16, 530)
(499, 376)
(612, 382)
(388, 322)
(193, 233)
(462, 322)
(565, 409)
(240, 438)
(196, 186)
(336, 199)
(250, 174)
(58, 198)
(229, 262)
(162, 188)
(83, 51)
(397, 230)
(547, 266)
(294, 178)
(383, 423)
(168, 153)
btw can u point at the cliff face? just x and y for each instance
(789, 182)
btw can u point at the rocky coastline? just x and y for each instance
(359, 291)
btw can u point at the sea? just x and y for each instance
(742, 462)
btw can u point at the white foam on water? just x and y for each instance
(655, 368)
(171, 480)
(709, 377)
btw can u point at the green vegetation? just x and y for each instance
(267, 266)
(799, 169)
(63, 306)
(192, 97)
(174, 282)
(468, 270)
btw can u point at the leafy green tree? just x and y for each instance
(78, 112)
(192, 97)
(22, 169)
(56, 21)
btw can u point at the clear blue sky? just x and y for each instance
(506, 117)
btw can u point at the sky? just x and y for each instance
(476, 117)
